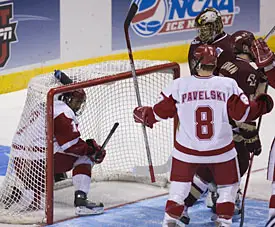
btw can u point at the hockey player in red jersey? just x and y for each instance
(203, 104)
(71, 152)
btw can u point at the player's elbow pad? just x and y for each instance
(238, 107)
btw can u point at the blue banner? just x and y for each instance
(29, 32)
(164, 21)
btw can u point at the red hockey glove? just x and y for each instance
(145, 116)
(262, 53)
(251, 138)
(94, 152)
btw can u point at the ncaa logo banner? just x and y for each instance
(165, 21)
(29, 32)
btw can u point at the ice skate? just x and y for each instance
(86, 207)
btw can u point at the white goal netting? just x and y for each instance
(111, 100)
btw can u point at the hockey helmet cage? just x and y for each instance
(209, 24)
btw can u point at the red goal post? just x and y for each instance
(110, 98)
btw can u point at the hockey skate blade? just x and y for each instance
(84, 211)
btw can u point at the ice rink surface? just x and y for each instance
(150, 212)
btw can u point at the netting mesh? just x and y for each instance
(22, 196)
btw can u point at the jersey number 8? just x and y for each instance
(204, 123)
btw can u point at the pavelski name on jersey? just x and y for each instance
(203, 95)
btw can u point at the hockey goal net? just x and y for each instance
(110, 98)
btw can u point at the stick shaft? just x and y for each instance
(128, 20)
(112, 131)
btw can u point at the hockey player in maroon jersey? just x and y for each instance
(210, 31)
(71, 152)
(203, 104)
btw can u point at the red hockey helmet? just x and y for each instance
(242, 41)
(206, 54)
(76, 100)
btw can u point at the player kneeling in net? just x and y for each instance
(70, 153)
(203, 104)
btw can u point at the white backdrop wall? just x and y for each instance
(95, 30)
(86, 30)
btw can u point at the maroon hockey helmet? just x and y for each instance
(206, 55)
(242, 41)
(209, 24)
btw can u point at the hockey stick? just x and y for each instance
(143, 170)
(109, 135)
(252, 156)
(107, 139)
(127, 22)
(90, 143)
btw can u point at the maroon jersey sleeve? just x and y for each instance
(68, 137)
(271, 77)
(225, 51)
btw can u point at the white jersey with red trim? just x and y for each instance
(29, 141)
(203, 106)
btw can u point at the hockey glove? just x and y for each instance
(251, 138)
(94, 152)
(263, 55)
(145, 115)
(265, 102)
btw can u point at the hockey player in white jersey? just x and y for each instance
(70, 153)
(202, 104)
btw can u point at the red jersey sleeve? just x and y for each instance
(240, 108)
(67, 135)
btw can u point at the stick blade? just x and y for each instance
(131, 14)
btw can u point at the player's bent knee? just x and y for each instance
(227, 193)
